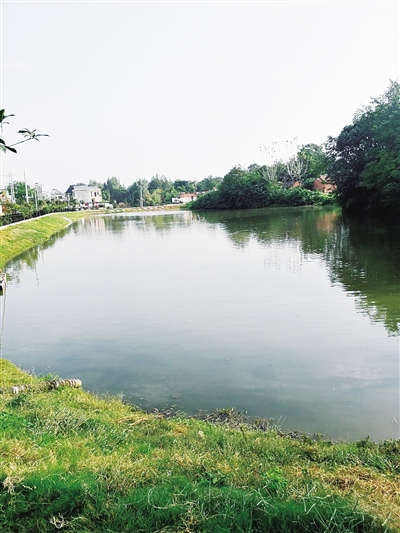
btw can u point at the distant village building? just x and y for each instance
(185, 198)
(86, 194)
(57, 195)
(323, 184)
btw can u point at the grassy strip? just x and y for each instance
(21, 237)
(75, 461)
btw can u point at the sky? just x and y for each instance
(183, 89)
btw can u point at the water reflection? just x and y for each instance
(363, 257)
(160, 221)
(247, 309)
(31, 257)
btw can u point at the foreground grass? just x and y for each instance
(20, 237)
(74, 461)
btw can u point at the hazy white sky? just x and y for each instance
(184, 89)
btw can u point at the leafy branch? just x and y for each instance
(28, 135)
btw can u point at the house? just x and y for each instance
(89, 195)
(324, 184)
(186, 197)
(57, 196)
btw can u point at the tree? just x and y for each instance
(18, 191)
(115, 190)
(208, 184)
(364, 160)
(272, 159)
(283, 163)
(184, 186)
(158, 182)
(315, 163)
(28, 135)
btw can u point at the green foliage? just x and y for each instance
(28, 135)
(184, 186)
(208, 184)
(20, 191)
(159, 190)
(245, 189)
(21, 237)
(23, 211)
(159, 182)
(364, 160)
(315, 162)
(115, 191)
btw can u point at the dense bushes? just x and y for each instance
(245, 189)
(17, 212)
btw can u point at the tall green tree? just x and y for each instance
(117, 192)
(19, 190)
(158, 182)
(184, 186)
(208, 184)
(364, 160)
(315, 163)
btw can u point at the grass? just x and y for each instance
(18, 238)
(77, 462)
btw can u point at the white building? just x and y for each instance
(185, 198)
(87, 194)
(57, 195)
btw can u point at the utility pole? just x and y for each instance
(10, 176)
(141, 195)
(36, 202)
(26, 189)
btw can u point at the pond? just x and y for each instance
(290, 314)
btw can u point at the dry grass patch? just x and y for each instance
(375, 493)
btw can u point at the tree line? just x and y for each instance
(362, 164)
(283, 182)
(157, 191)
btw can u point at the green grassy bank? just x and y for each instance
(74, 461)
(20, 237)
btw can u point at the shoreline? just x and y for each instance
(100, 464)
(14, 241)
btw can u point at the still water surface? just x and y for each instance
(290, 314)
